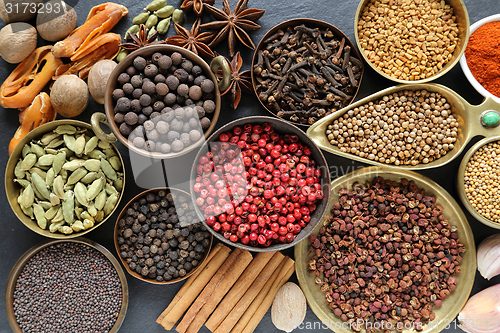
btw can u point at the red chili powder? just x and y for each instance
(483, 56)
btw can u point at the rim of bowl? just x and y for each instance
(117, 247)
(295, 22)
(326, 182)
(11, 189)
(150, 50)
(437, 75)
(23, 260)
(465, 67)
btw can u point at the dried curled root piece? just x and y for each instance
(29, 78)
(106, 46)
(101, 20)
(38, 113)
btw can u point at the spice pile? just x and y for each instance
(408, 40)
(386, 254)
(305, 73)
(152, 242)
(67, 287)
(405, 128)
(481, 182)
(256, 186)
(231, 292)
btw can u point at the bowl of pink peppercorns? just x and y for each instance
(260, 183)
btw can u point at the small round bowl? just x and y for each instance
(308, 23)
(21, 262)
(451, 210)
(147, 51)
(461, 182)
(117, 246)
(463, 60)
(12, 189)
(280, 126)
(459, 10)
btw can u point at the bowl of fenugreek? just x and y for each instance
(479, 181)
(406, 41)
(62, 181)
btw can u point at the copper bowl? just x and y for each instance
(21, 262)
(117, 246)
(280, 126)
(309, 23)
(109, 103)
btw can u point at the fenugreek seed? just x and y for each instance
(108, 169)
(49, 177)
(54, 227)
(54, 199)
(46, 160)
(77, 226)
(40, 216)
(58, 187)
(47, 138)
(18, 172)
(37, 150)
(68, 207)
(110, 204)
(76, 176)
(51, 212)
(28, 162)
(100, 200)
(81, 194)
(65, 129)
(95, 188)
(80, 145)
(39, 184)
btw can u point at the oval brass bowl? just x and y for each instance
(309, 23)
(117, 246)
(461, 183)
(468, 116)
(21, 262)
(12, 189)
(459, 10)
(451, 210)
(280, 126)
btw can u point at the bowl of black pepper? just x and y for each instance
(156, 239)
(162, 101)
(53, 279)
(305, 69)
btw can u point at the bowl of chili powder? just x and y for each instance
(481, 60)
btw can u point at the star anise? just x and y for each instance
(141, 39)
(193, 40)
(240, 81)
(195, 5)
(232, 25)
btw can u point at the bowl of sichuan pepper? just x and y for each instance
(73, 285)
(260, 184)
(305, 69)
(479, 62)
(158, 239)
(394, 252)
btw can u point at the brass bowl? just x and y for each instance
(117, 246)
(21, 262)
(468, 116)
(310, 23)
(461, 182)
(109, 103)
(12, 189)
(451, 210)
(280, 126)
(459, 10)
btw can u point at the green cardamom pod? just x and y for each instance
(163, 26)
(46, 205)
(115, 162)
(110, 204)
(68, 207)
(94, 188)
(49, 177)
(80, 145)
(110, 189)
(51, 151)
(51, 213)
(28, 162)
(40, 216)
(100, 200)
(23, 182)
(55, 143)
(91, 144)
(99, 216)
(151, 32)
(40, 185)
(92, 210)
(59, 162)
(122, 55)
(178, 16)
(54, 200)
(139, 19)
(59, 217)
(39, 152)
(152, 21)
(46, 160)
(27, 197)
(165, 12)
(54, 227)
(96, 154)
(93, 165)
(47, 138)
(17, 170)
(87, 224)
(65, 129)
(73, 165)
(118, 184)
(38, 171)
(77, 226)
(108, 170)
(89, 178)
(69, 141)
(28, 212)
(86, 216)
(109, 152)
(66, 230)
(81, 194)
(155, 5)
(26, 150)
(76, 176)
(104, 145)
(58, 187)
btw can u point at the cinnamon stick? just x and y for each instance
(215, 290)
(197, 284)
(250, 318)
(239, 309)
(239, 289)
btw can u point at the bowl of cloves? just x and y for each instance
(305, 69)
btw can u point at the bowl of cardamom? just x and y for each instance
(62, 181)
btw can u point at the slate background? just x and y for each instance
(147, 301)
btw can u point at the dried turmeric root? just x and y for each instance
(38, 113)
(101, 19)
(106, 46)
(29, 78)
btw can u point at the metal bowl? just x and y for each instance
(451, 305)
(461, 182)
(117, 246)
(280, 126)
(109, 103)
(310, 23)
(21, 262)
(459, 10)
(12, 189)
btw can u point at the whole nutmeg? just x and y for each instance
(69, 96)
(17, 41)
(55, 25)
(98, 78)
(289, 307)
(9, 14)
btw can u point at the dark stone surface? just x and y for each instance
(147, 301)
